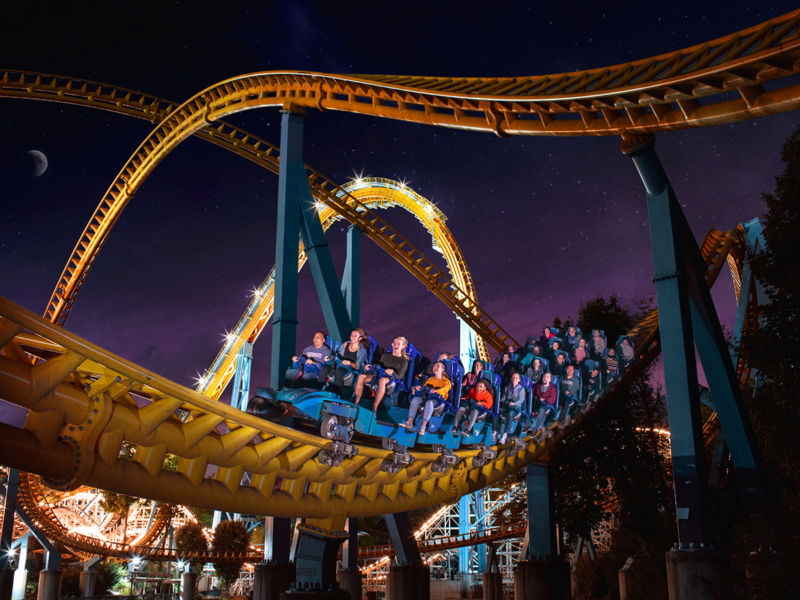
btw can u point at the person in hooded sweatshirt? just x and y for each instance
(308, 365)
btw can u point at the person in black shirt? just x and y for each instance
(394, 366)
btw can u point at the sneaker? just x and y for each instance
(454, 431)
(503, 438)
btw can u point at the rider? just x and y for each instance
(391, 366)
(348, 361)
(308, 365)
(480, 399)
(436, 389)
(512, 401)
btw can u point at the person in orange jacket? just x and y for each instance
(480, 401)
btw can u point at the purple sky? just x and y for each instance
(544, 223)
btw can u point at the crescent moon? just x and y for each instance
(39, 162)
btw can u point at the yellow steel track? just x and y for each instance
(49, 87)
(85, 402)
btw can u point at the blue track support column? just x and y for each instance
(349, 577)
(291, 185)
(750, 288)
(467, 344)
(463, 527)
(241, 379)
(541, 525)
(544, 574)
(351, 278)
(317, 551)
(275, 574)
(687, 316)
(324, 273)
(410, 577)
(479, 498)
(677, 343)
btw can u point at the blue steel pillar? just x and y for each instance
(241, 379)
(541, 525)
(467, 344)
(410, 577)
(677, 346)
(544, 574)
(687, 316)
(291, 179)
(322, 269)
(351, 278)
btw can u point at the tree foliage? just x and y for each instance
(119, 504)
(231, 537)
(189, 538)
(765, 548)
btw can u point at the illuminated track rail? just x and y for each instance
(686, 88)
(97, 95)
(453, 541)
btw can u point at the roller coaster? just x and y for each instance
(84, 403)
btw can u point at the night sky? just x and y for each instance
(544, 223)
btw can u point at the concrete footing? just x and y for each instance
(542, 579)
(350, 581)
(492, 586)
(188, 585)
(270, 580)
(408, 582)
(87, 580)
(49, 585)
(695, 575)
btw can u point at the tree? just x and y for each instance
(119, 504)
(764, 548)
(190, 539)
(231, 537)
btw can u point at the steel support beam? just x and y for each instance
(317, 552)
(351, 278)
(277, 539)
(350, 546)
(541, 524)
(687, 316)
(241, 379)
(403, 541)
(291, 185)
(467, 345)
(322, 270)
(750, 287)
(7, 532)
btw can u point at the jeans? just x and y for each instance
(511, 417)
